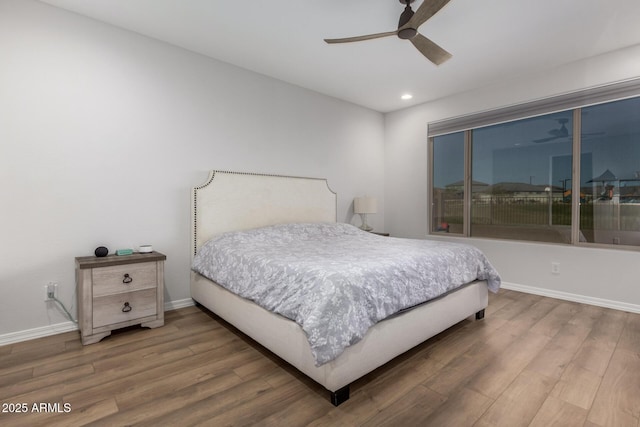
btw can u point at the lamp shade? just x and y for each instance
(365, 205)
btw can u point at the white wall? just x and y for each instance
(602, 276)
(103, 132)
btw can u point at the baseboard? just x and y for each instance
(181, 303)
(59, 328)
(600, 302)
(31, 334)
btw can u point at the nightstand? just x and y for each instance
(118, 291)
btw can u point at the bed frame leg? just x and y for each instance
(480, 314)
(339, 396)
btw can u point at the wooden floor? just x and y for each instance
(532, 361)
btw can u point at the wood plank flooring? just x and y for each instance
(532, 361)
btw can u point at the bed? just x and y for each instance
(234, 201)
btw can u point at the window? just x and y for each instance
(571, 176)
(448, 183)
(517, 168)
(610, 173)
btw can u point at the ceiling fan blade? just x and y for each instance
(551, 138)
(361, 38)
(430, 50)
(582, 135)
(427, 9)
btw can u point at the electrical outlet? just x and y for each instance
(555, 268)
(51, 291)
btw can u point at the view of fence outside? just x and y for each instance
(508, 210)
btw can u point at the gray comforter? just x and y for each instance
(336, 280)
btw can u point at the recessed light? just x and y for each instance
(406, 96)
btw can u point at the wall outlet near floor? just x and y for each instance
(555, 268)
(51, 291)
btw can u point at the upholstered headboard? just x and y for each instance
(231, 201)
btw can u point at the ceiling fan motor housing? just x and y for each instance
(407, 33)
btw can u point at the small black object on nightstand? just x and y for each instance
(101, 251)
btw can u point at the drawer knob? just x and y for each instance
(127, 279)
(126, 308)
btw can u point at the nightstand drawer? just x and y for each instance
(124, 278)
(112, 309)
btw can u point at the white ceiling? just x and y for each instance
(490, 40)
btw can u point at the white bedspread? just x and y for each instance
(336, 280)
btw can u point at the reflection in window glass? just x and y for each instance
(448, 183)
(610, 175)
(521, 179)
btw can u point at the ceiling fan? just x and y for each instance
(563, 132)
(408, 30)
